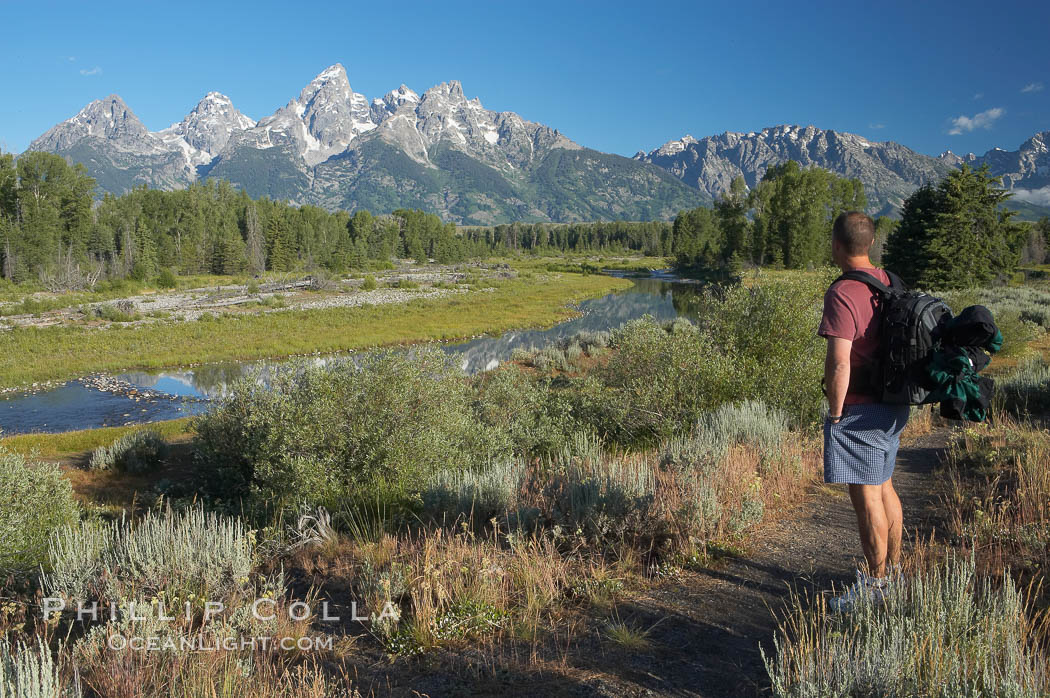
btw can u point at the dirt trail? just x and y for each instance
(706, 627)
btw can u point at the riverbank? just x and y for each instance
(492, 305)
(76, 446)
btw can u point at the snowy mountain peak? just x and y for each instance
(321, 122)
(99, 106)
(402, 94)
(108, 118)
(206, 130)
(392, 101)
(216, 97)
(669, 148)
(105, 115)
(218, 104)
(330, 81)
(451, 90)
(332, 72)
(454, 89)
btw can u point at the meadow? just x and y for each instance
(505, 515)
(484, 305)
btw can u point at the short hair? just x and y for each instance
(855, 231)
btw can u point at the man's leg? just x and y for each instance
(891, 504)
(872, 524)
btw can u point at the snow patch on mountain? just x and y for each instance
(206, 130)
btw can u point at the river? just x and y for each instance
(138, 397)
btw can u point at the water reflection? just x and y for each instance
(664, 300)
(74, 406)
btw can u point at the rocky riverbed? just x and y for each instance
(136, 393)
(273, 293)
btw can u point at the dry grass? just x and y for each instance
(627, 635)
(486, 585)
(998, 497)
(921, 423)
(448, 586)
(214, 673)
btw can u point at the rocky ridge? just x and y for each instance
(331, 147)
(889, 170)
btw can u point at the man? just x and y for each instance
(861, 434)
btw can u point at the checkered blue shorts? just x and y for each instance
(862, 448)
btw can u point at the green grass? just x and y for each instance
(628, 636)
(72, 443)
(578, 263)
(53, 353)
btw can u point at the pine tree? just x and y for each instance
(956, 235)
(280, 252)
(233, 256)
(732, 217)
(256, 248)
(906, 251)
(7, 268)
(145, 259)
(228, 252)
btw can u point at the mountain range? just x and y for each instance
(889, 171)
(447, 154)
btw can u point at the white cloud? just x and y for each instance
(965, 124)
(1040, 197)
(71, 58)
(979, 95)
(1033, 87)
(876, 126)
(94, 71)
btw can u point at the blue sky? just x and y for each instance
(616, 76)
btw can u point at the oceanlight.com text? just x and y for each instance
(204, 643)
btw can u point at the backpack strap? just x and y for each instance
(896, 285)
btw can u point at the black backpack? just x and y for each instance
(910, 323)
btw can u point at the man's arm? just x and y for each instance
(836, 373)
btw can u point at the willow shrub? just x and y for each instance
(316, 434)
(524, 409)
(658, 381)
(35, 499)
(751, 343)
(768, 332)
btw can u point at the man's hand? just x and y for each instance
(836, 374)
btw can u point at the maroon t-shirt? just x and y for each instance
(850, 309)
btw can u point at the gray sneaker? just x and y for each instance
(865, 590)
